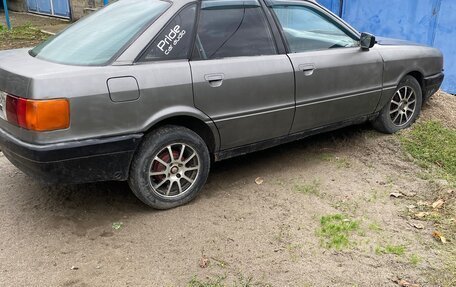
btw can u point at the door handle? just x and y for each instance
(214, 80)
(308, 69)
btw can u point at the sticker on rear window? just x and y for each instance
(171, 40)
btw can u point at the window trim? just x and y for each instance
(317, 9)
(140, 60)
(276, 33)
(268, 24)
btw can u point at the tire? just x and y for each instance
(400, 113)
(170, 167)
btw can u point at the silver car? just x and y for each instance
(154, 91)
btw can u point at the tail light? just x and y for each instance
(37, 115)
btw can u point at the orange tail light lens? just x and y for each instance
(38, 115)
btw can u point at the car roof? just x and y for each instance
(189, 1)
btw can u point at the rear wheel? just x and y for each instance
(170, 167)
(403, 108)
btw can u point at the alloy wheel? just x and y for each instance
(402, 106)
(173, 170)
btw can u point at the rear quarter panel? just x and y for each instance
(165, 91)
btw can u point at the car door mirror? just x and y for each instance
(367, 41)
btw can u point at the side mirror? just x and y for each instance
(367, 41)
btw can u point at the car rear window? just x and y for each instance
(95, 40)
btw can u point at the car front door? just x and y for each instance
(239, 79)
(336, 80)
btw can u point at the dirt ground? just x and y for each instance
(101, 235)
(238, 232)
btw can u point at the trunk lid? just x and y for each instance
(18, 71)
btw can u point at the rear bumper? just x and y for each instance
(432, 84)
(73, 162)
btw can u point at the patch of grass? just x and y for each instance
(390, 180)
(219, 281)
(371, 196)
(341, 162)
(244, 282)
(326, 156)
(433, 146)
(293, 249)
(220, 263)
(308, 188)
(117, 225)
(390, 249)
(374, 227)
(446, 277)
(450, 279)
(284, 234)
(415, 259)
(335, 230)
(346, 206)
(21, 36)
(214, 282)
(25, 32)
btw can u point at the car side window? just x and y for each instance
(306, 29)
(230, 28)
(174, 41)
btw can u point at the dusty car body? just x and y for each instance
(304, 84)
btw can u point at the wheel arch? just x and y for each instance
(418, 76)
(190, 118)
(416, 73)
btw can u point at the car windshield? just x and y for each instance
(95, 40)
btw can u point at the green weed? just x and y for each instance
(293, 249)
(390, 249)
(26, 32)
(214, 282)
(433, 146)
(374, 227)
(308, 188)
(335, 230)
(326, 156)
(415, 259)
(341, 162)
(347, 206)
(219, 281)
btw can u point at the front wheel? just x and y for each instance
(403, 108)
(170, 167)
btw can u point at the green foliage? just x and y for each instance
(390, 249)
(375, 227)
(433, 145)
(326, 156)
(117, 225)
(308, 188)
(341, 162)
(335, 230)
(217, 282)
(415, 259)
(22, 33)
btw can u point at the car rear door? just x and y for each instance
(336, 80)
(239, 79)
